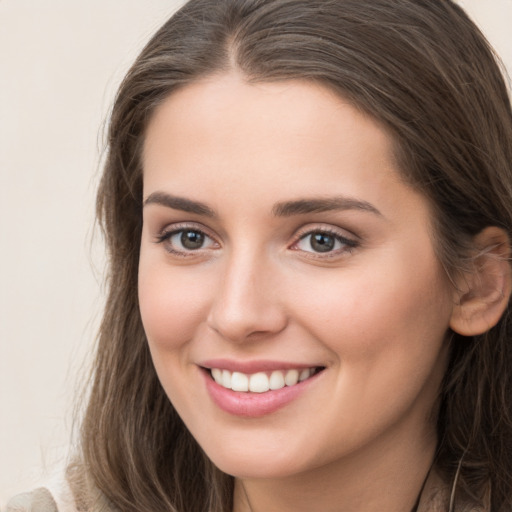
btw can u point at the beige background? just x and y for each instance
(60, 63)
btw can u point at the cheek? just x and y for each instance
(398, 309)
(386, 333)
(172, 305)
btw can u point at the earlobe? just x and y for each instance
(484, 292)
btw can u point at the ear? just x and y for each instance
(484, 292)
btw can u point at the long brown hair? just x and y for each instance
(423, 70)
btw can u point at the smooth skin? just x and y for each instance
(237, 264)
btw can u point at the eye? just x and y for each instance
(322, 242)
(186, 240)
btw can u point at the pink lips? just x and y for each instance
(247, 404)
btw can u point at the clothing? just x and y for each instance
(434, 498)
(39, 500)
(56, 497)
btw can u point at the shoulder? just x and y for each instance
(54, 496)
(39, 500)
(68, 489)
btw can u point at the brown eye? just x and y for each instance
(322, 242)
(192, 240)
(186, 241)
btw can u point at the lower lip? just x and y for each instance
(254, 405)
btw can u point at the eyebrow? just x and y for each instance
(281, 209)
(179, 203)
(318, 205)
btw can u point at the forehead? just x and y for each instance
(223, 140)
(223, 121)
(297, 106)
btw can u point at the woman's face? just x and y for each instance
(283, 256)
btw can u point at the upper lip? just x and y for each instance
(250, 367)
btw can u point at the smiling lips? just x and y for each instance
(257, 392)
(261, 382)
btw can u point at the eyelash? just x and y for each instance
(348, 244)
(167, 234)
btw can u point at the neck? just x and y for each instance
(388, 475)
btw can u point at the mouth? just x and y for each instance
(262, 382)
(255, 389)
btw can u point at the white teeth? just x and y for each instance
(226, 379)
(277, 380)
(239, 382)
(292, 377)
(217, 375)
(260, 382)
(304, 374)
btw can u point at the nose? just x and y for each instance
(247, 304)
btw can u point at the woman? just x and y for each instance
(307, 206)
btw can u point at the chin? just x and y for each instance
(248, 469)
(265, 462)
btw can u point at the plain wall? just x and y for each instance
(60, 64)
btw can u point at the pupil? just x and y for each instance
(192, 239)
(322, 242)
